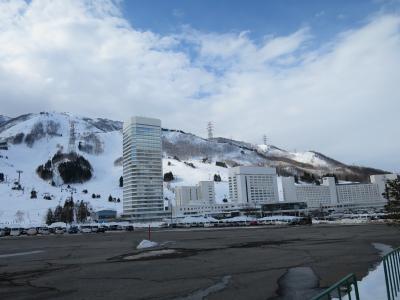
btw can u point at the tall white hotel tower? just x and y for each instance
(142, 164)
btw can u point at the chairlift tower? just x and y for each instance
(19, 176)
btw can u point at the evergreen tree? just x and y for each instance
(1, 177)
(217, 178)
(33, 194)
(57, 213)
(49, 217)
(121, 181)
(110, 198)
(168, 176)
(83, 212)
(392, 193)
(67, 213)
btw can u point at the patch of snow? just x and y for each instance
(373, 286)
(146, 244)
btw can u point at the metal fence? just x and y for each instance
(345, 288)
(391, 265)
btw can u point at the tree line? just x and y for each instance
(68, 213)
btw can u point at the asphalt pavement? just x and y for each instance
(226, 263)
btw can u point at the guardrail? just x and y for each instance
(347, 286)
(391, 266)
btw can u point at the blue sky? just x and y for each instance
(311, 75)
(259, 17)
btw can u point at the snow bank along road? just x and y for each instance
(220, 264)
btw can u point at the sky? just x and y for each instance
(311, 75)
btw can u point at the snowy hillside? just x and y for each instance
(28, 150)
(33, 140)
(3, 119)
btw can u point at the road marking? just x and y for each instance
(20, 253)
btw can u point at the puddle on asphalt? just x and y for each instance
(298, 283)
(203, 293)
(373, 286)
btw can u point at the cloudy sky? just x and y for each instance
(311, 75)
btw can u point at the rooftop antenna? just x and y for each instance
(210, 129)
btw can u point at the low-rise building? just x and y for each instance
(332, 195)
(202, 193)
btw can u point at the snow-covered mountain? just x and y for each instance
(34, 139)
(3, 119)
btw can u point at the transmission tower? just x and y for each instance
(265, 140)
(210, 129)
(71, 144)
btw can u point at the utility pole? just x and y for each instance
(265, 140)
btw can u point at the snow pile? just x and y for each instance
(279, 218)
(240, 219)
(196, 219)
(58, 224)
(146, 244)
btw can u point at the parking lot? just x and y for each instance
(217, 263)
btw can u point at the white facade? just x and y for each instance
(357, 193)
(210, 208)
(203, 193)
(253, 185)
(142, 169)
(330, 194)
(314, 195)
(380, 180)
(185, 195)
(206, 191)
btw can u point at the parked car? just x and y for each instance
(102, 228)
(7, 230)
(95, 228)
(59, 230)
(86, 228)
(2, 232)
(43, 230)
(15, 231)
(129, 228)
(164, 225)
(73, 229)
(31, 231)
(113, 227)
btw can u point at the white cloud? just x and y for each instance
(341, 99)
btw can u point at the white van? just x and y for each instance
(15, 231)
(95, 228)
